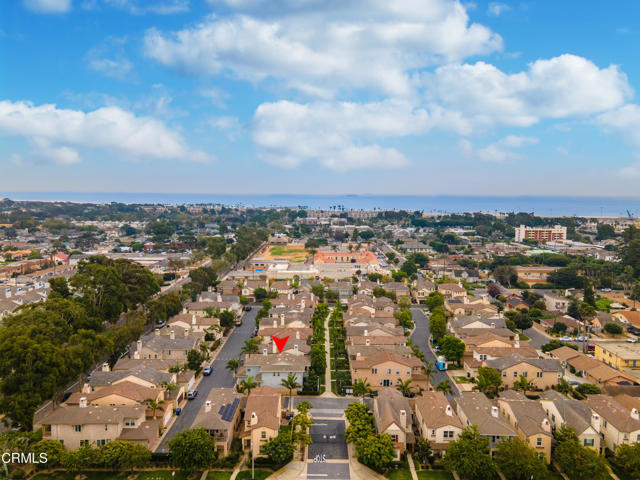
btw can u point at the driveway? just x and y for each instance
(420, 339)
(220, 377)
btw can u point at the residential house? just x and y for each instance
(436, 420)
(261, 419)
(282, 287)
(542, 373)
(269, 369)
(393, 416)
(452, 290)
(84, 424)
(422, 289)
(173, 346)
(528, 419)
(562, 410)
(220, 416)
(474, 408)
(616, 424)
(556, 303)
(399, 289)
(386, 369)
(533, 275)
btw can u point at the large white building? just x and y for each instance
(541, 234)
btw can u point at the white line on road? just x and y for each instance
(317, 474)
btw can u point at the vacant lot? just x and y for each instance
(293, 252)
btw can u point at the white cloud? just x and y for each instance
(230, 125)
(16, 159)
(495, 9)
(109, 59)
(318, 47)
(501, 150)
(58, 132)
(141, 7)
(337, 135)
(560, 87)
(48, 6)
(625, 121)
(217, 96)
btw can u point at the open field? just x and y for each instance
(295, 252)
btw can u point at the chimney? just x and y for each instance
(493, 324)
(358, 355)
(595, 422)
(105, 367)
(366, 333)
(297, 334)
(302, 303)
(184, 310)
(275, 323)
(207, 406)
(7, 293)
(367, 342)
(403, 419)
(494, 411)
(210, 289)
(254, 419)
(186, 332)
(295, 352)
(282, 319)
(516, 337)
(83, 402)
(288, 296)
(634, 414)
(274, 349)
(449, 410)
(264, 352)
(193, 319)
(172, 335)
(219, 297)
(517, 344)
(157, 332)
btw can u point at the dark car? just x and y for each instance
(191, 394)
(207, 370)
(247, 308)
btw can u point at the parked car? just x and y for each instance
(631, 340)
(247, 308)
(160, 324)
(207, 371)
(191, 394)
(566, 339)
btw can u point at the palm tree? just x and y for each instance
(154, 405)
(245, 386)
(233, 364)
(444, 387)
(361, 388)
(290, 383)
(428, 371)
(250, 346)
(169, 386)
(405, 387)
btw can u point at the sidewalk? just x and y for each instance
(292, 470)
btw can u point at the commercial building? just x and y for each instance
(541, 234)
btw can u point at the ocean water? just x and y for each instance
(544, 206)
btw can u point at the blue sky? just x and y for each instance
(320, 96)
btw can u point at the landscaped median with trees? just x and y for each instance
(340, 373)
(318, 368)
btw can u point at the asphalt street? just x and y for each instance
(420, 339)
(220, 377)
(326, 471)
(328, 440)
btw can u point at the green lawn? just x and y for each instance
(400, 474)
(258, 474)
(148, 475)
(434, 475)
(219, 475)
(163, 475)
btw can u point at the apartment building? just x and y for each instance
(619, 355)
(556, 233)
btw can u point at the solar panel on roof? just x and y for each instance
(230, 410)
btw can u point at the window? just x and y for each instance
(374, 371)
(84, 443)
(394, 438)
(106, 427)
(525, 374)
(263, 434)
(539, 441)
(515, 374)
(408, 372)
(388, 371)
(504, 374)
(129, 422)
(539, 374)
(604, 422)
(101, 442)
(433, 433)
(61, 441)
(169, 352)
(553, 417)
(447, 434)
(588, 442)
(78, 428)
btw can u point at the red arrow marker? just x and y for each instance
(280, 342)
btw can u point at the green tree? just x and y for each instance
(376, 450)
(438, 326)
(291, 384)
(453, 348)
(154, 405)
(522, 384)
(427, 368)
(54, 450)
(361, 388)
(627, 461)
(445, 387)
(505, 274)
(194, 360)
(422, 451)
(612, 328)
(435, 299)
(260, 294)
(279, 449)
(192, 450)
(304, 406)
(518, 461)
(576, 461)
(489, 381)
(60, 287)
(245, 386)
(234, 365)
(227, 318)
(470, 456)
(589, 295)
(250, 346)
(588, 389)
(123, 455)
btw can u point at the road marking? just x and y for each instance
(317, 474)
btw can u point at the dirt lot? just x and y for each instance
(294, 252)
